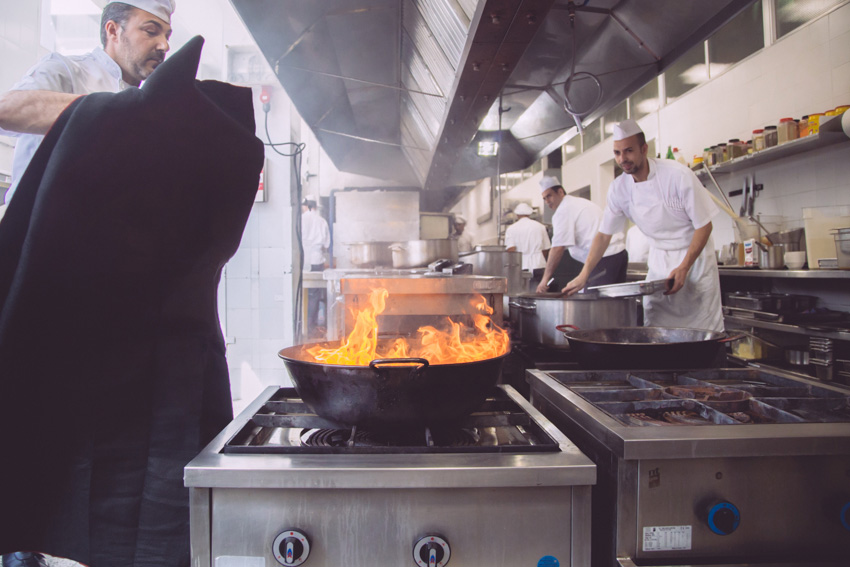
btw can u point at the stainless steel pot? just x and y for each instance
(497, 261)
(540, 314)
(370, 254)
(772, 257)
(420, 253)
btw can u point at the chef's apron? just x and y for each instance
(697, 305)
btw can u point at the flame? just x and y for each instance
(454, 343)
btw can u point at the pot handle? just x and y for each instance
(376, 364)
(733, 338)
(565, 328)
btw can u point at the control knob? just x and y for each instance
(431, 551)
(723, 518)
(291, 547)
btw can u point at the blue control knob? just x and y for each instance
(723, 518)
(845, 516)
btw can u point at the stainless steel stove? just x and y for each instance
(282, 486)
(716, 466)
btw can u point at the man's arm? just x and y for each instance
(552, 261)
(32, 112)
(698, 242)
(597, 249)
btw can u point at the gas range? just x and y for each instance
(504, 487)
(715, 466)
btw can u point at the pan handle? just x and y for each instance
(566, 328)
(375, 364)
(737, 337)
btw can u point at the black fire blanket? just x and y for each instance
(112, 368)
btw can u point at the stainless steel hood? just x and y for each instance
(403, 90)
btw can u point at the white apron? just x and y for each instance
(697, 305)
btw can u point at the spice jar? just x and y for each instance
(706, 156)
(814, 122)
(758, 140)
(722, 152)
(735, 148)
(787, 130)
(771, 138)
(803, 127)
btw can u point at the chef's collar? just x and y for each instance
(111, 66)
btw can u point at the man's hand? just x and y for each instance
(542, 287)
(678, 276)
(576, 285)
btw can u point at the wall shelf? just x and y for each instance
(795, 274)
(830, 134)
(786, 328)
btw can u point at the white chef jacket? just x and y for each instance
(78, 74)
(668, 207)
(530, 238)
(574, 225)
(315, 237)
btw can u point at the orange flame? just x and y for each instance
(454, 344)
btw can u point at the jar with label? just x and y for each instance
(814, 122)
(842, 109)
(706, 156)
(771, 138)
(803, 127)
(735, 148)
(722, 154)
(786, 131)
(758, 140)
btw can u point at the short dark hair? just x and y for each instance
(641, 139)
(311, 204)
(117, 12)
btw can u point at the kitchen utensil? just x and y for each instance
(420, 253)
(646, 347)
(497, 261)
(395, 391)
(772, 257)
(542, 314)
(797, 356)
(762, 227)
(370, 254)
(795, 260)
(631, 289)
(793, 239)
(842, 247)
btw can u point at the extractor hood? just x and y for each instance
(404, 90)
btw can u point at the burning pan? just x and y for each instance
(397, 391)
(631, 348)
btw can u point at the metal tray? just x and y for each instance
(629, 289)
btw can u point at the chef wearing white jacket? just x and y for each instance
(574, 225)
(671, 207)
(530, 238)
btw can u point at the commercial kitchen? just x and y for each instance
(407, 402)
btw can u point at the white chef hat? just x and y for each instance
(459, 219)
(162, 9)
(523, 209)
(626, 129)
(548, 183)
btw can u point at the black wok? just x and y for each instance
(397, 391)
(630, 348)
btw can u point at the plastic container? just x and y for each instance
(803, 127)
(814, 122)
(771, 137)
(819, 223)
(787, 130)
(736, 148)
(758, 140)
(842, 247)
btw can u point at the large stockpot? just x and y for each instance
(541, 313)
(420, 253)
(370, 254)
(391, 392)
(497, 261)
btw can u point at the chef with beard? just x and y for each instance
(671, 207)
(134, 35)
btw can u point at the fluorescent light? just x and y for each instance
(488, 149)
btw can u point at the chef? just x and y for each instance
(464, 238)
(315, 238)
(574, 225)
(671, 207)
(134, 34)
(530, 238)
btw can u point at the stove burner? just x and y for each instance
(455, 437)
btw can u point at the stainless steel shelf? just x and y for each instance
(786, 328)
(797, 274)
(829, 135)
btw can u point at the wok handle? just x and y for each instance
(737, 337)
(565, 328)
(375, 364)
